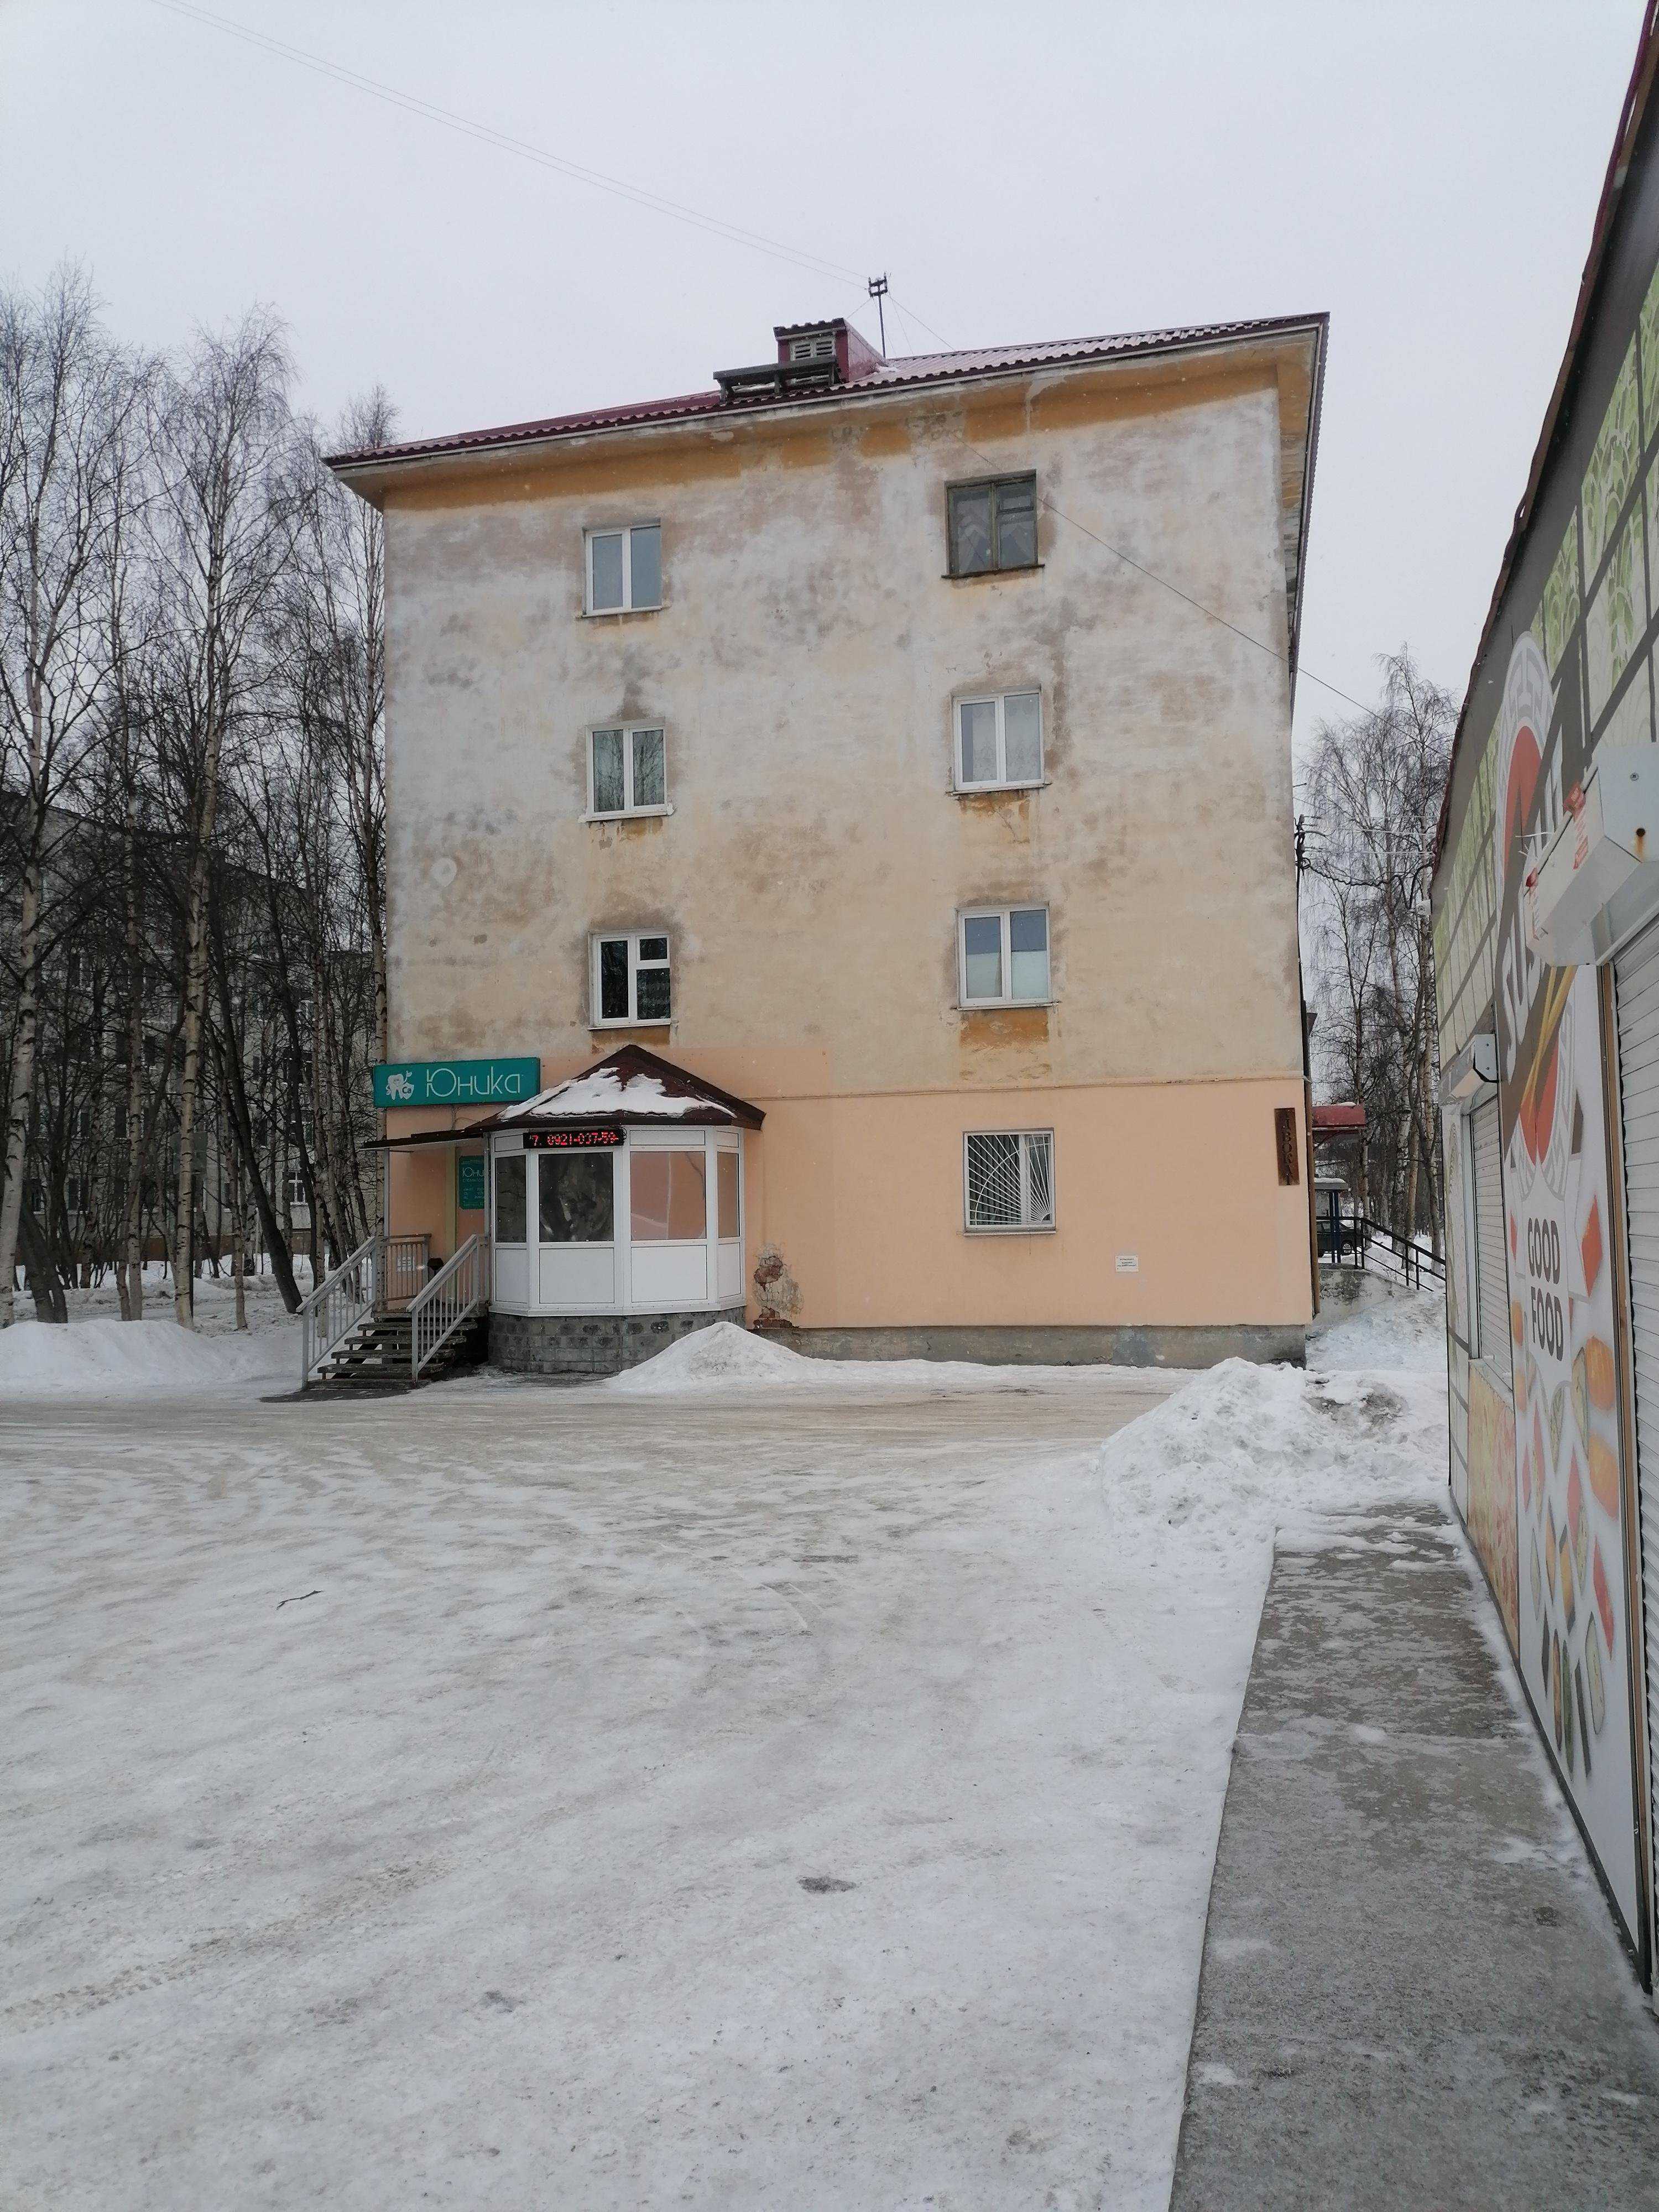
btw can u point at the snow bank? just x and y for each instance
(102, 1359)
(718, 1358)
(723, 1357)
(1405, 1329)
(1243, 1452)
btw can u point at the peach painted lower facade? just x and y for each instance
(1170, 1217)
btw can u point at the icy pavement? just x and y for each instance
(782, 1797)
(1413, 1996)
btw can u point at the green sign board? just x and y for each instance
(456, 1082)
(470, 1183)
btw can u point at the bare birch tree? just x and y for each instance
(1373, 795)
(66, 400)
(223, 438)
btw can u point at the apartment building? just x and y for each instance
(841, 865)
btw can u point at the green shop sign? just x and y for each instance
(456, 1082)
(470, 1183)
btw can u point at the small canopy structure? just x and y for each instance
(630, 1087)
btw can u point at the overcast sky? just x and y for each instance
(1035, 170)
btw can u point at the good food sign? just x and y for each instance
(456, 1082)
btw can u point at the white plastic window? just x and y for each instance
(1004, 957)
(1008, 1179)
(624, 569)
(1000, 741)
(630, 979)
(627, 770)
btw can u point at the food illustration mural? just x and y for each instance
(1568, 1480)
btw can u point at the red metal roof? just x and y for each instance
(1338, 1121)
(885, 376)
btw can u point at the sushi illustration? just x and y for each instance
(1581, 1399)
(1569, 1593)
(1578, 1521)
(1557, 1420)
(1603, 1595)
(1598, 1689)
(1550, 1542)
(1598, 1373)
(1584, 1725)
(1604, 1476)
(1537, 1578)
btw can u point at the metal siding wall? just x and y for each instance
(1491, 1268)
(1636, 974)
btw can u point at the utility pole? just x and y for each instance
(878, 291)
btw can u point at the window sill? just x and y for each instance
(1011, 1229)
(617, 614)
(992, 790)
(999, 1006)
(988, 575)
(661, 1021)
(631, 814)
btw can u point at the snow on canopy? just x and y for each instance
(632, 1085)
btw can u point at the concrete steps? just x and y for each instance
(378, 1351)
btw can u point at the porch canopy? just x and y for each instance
(619, 1190)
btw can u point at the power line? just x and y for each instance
(486, 134)
(1153, 576)
(735, 234)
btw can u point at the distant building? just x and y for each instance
(900, 751)
(1546, 958)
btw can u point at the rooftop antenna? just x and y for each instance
(878, 290)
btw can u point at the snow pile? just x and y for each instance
(101, 1358)
(721, 1357)
(600, 1091)
(726, 1357)
(1243, 1452)
(1406, 1329)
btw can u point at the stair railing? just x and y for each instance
(456, 1293)
(336, 1306)
(403, 1270)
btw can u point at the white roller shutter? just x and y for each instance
(1635, 977)
(1491, 1267)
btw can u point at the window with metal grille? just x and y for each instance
(818, 345)
(993, 525)
(1008, 1177)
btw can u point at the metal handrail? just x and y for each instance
(402, 1269)
(336, 1306)
(455, 1293)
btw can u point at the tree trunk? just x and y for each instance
(22, 1078)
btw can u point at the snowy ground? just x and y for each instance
(100, 1355)
(786, 1788)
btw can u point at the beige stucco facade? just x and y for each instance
(804, 664)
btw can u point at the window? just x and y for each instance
(627, 772)
(575, 1197)
(668, 1196)
(624, 569)
(72, 1193)
(75, 971)
(1000, 741)
(993, 525)
(511, 1224)
(1005, 957)
(630, 980)
(1008, 1177)
(725, 1170)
